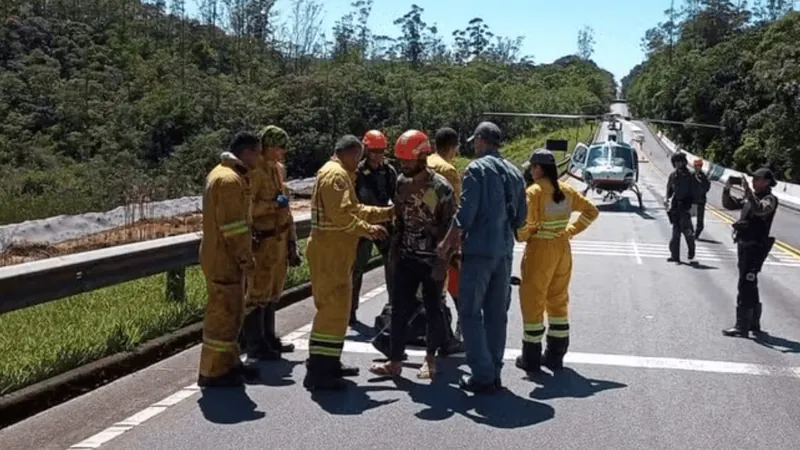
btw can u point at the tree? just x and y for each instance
(586, 43)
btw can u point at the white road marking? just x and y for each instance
(645, 362)
(636, 252)
(639, 250)
(159, 407)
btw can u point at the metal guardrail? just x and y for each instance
(36, 282)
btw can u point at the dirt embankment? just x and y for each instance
(141, 230)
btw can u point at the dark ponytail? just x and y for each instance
(551, 172)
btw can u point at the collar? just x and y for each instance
(228, 159)
(491, 152)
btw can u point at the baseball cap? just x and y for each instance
(766, 174)
(542, 156)
(488, 131)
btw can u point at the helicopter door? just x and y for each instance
(578, 162)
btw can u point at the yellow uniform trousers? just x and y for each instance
(546, 269)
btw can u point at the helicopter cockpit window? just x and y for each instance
(614, 155)
(622, 156)
(597, 156)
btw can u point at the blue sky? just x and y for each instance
(550, 27)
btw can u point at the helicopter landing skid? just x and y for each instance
(635, 189)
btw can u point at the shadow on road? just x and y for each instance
(352, 401)
(708, 241)
(277, 373)
(700, 266)
(569, 384)
(363, 332)
(780, 344)
(444, 399)
(623, 205)
(228, 406)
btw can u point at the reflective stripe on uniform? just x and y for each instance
(317, 224)
(219, 346)
(325, 344)
(558, 327)
(533, 333)
(585, 220)
(234, 228)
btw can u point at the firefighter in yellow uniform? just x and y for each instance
(441, 162)
(226, 258)
(547, 262)
(272, 248)
(337, 222)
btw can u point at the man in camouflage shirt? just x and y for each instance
(425, 207)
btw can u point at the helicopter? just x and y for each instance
(611, 166)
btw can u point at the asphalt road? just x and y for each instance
(648, 369)
(786, 225)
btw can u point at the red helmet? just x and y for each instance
(375, 140)
(412, 145)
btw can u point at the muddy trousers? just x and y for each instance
(223, 320)
(363, 255)
(411, 274)
(265, 286)
(751, 256)
(546, 273)
(681, 225)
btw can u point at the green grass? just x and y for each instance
(46, 340)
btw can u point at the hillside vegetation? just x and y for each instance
(113, 102)
(731, 65)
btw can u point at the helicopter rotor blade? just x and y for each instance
(686, 124)
(542, 115)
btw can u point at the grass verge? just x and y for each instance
(46, 340)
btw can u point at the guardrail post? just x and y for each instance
(176, 285)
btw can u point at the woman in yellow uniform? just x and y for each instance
(547, 262)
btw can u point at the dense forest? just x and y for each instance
(736, 64)
(108, 102)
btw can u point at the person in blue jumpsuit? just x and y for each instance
(492, 206)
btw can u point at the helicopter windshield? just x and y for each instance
(613, 155)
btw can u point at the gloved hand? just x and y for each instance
(282, 201)
(294, 255)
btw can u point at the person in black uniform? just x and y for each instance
(681, 195)
(753, 244)
(376, 183)
(703, 185)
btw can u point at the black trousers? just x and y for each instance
(409, 274)
(681, 225)
(700, 219)
(751, 256)
(363, 253)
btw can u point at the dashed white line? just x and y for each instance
(159, 407)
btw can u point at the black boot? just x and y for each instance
(554, 354)
(233, 378)
(531, 358)
(322, 373)
(755, 326)
(269, 330)
(743, 321)
(256, 346)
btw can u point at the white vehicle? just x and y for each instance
(606, 167)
